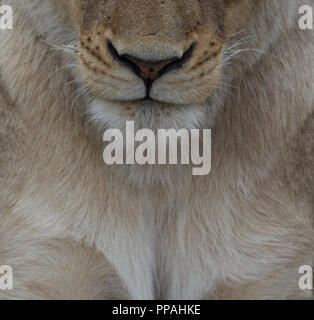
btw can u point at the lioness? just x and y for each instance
(73, 227)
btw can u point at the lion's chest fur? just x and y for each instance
(188, 248)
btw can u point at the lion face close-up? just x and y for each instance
(157, 62)
(156, 149)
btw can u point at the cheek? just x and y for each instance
(73, 9)
(236, 14)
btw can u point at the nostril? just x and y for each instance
(121, 58)
(178, 63)
(113, 51)
(149, 70)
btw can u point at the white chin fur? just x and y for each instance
(149, 115)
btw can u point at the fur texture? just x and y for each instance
(72, 227)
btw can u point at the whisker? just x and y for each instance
(224, 89)
(59, 69)
(235, 49)
(69, 49)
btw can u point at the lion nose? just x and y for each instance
(149, 71)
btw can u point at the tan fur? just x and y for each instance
(72, 227)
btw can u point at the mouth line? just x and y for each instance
(146, 100)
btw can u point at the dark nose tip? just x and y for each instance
(149, 71)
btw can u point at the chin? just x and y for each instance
(150, 114)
